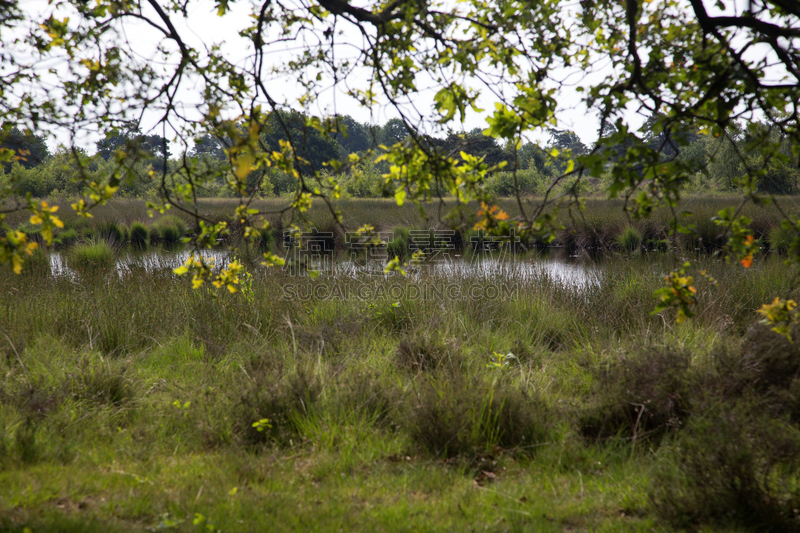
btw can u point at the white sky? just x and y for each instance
(203, 28)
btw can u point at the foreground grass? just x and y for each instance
(311, 490)
(135, 403)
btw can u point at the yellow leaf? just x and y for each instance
(243, 165)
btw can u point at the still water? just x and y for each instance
(565, 271)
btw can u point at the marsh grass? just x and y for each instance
(595, 229)
(170, 230)
(630, 239)
(112, 232)
(780, 238)
(97, 255)
(139, 236)
(128, 400)
(66, 238)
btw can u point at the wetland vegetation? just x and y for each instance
(224, 304)
(128, 400)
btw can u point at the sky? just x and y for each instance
(203, 28)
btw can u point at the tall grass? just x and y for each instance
(139, 236)
(630, 239)
(598, 228)
(141, 402)
(94, 256)
(170, 230)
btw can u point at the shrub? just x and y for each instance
(421, 352)
(331, 235)
(139, 236)
(769, 360)
(640, 398)
(733, 467)
(456, 417)
(280, 401)
(768, 369)
(366, 181)
(530, 181)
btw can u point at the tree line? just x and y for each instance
(531, 169)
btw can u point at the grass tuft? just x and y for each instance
(630, 240)
(94, 256)
(171, 230)
(139, 236)
(780, 238)
(417, 352)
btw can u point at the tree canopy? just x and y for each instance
(691, 66)
(29, 149)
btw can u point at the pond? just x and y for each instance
(565, 271)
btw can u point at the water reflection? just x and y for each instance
(579, 275)
(147, 261)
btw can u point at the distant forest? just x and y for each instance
(720, 162)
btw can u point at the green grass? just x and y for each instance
(96, 255)
(170, 229)
(139, 236)
(129, 403)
